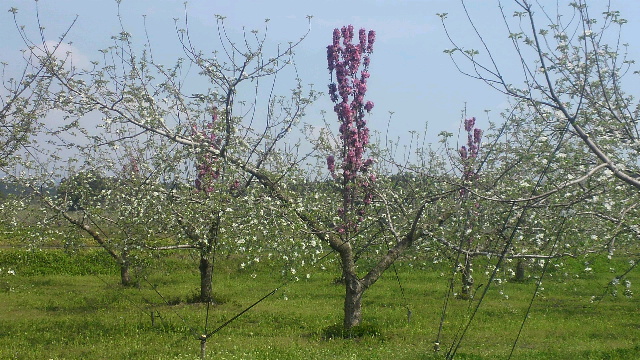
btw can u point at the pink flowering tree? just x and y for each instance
(207, 163)
(469, 154)
(359, 220)
(470, 168)
(364, 223)
(355, 180)
(347, 92)
(201, 227)
(203, 210)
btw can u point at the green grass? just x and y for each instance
(70, 306)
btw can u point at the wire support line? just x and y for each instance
(456, 344)
(445, 305)
(284, 284)
(616, 279)
(537, 289)
(195, 334)
(133, 303)
(454, 271)
(404, 298)
(242, 312)
(127, 297)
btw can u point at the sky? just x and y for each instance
(410, 74)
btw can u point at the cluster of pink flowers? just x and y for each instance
(347, 92)
(207, 171)
(469, 152)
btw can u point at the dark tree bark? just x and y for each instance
(206, 245)
(354, 288)
(520, 268)
(125, 276)
(206, 278)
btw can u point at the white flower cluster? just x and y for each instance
(6, 285)
(9, 272)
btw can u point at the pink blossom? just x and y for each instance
(235, 185)
(205, 162)
(372, 39)
(347, 34)
(347, 91)
(368, 106)
(473, 150)
(368, 162)
(331, 163)
(463, 152)
(469, 152)
(362, 36)
(214, 117)
(469, 124)
(477, 135)
(336, 37)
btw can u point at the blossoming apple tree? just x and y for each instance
(191, 190)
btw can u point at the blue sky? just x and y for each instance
(410, 74)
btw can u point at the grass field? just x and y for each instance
(59, 306)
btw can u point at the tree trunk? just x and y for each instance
(206, 278)
(352, 301)
(354, 288)
(125, 276)
(520, 267)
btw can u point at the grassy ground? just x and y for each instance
(60, 306)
